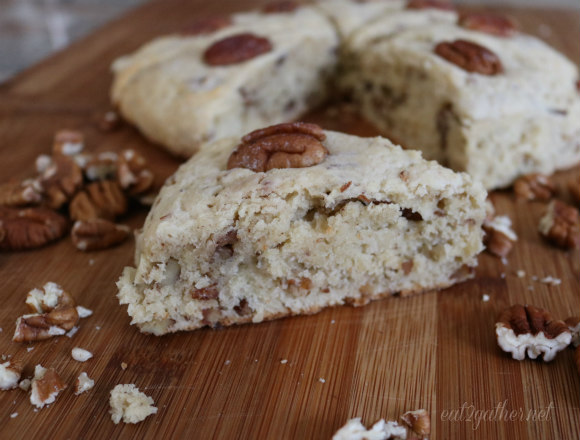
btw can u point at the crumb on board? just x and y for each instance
(485, 298)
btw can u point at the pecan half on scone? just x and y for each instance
(470, 56)
(265, 228)
(530, 330)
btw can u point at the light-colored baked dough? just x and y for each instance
(223, 247)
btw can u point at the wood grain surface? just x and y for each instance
(436, 351)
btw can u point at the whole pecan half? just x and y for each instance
(95, 234)
(207, 25)
(534, 187)
(470, 57)
(68, 142)
(236, 49)
(22, 193)
(60, 180)
(530, 330)
(289, 145)
(30, 228)
(430, 4)
(280, 6)
(102, 199)
(133, 174)
(561, 225)
(488, 23)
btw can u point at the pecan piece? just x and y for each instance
(22, 193)
(102, 199)
(290, 145)
(133, 174)
(46, 386)
(236, 49)
(430, 4)
(488, 23)
(48, 298)
(573, 324)
(280, 6)
(532, 330)
(95, 234)
(102, 166)
(499, 236)
(206, 293)
(9, 375)
(38, 327)
(534, 187)
(561, 225)
(208, 25)
(418, 421)
(68, 142)
(109, 121)
(470, 57)
(60, 180)
(30, 228)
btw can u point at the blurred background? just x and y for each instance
(32, 29)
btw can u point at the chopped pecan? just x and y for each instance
(133, 174)
(561, 225)
(22, 193)
(208, 25)
(68, 142)
(532, 330)
(101, 166)
(102, 199)
(418, 421)
(290, 145)
(407, 266)
(109, 121)
(280, 6)
(303, 283)
(489, 23)
(9, 375)
(499, 236)
(41, 326)
(574, 188)
(243, 308)
(60, 180)
(95, 234)
(430, 4)
(470, 57)
(206, 293)
(236, 49)
(344, 187)
(30, 228)
(534, 187)
(46, 385)
(48, 298)
(573, 324)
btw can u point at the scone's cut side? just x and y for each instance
(224, 247)
(525, 119)
(178, 100)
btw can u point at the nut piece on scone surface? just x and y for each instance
(231, 246)
(530, 330)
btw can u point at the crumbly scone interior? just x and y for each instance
(236, 246)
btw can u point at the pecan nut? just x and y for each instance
(46, 386)
(48, 298)
(573, 324)
(109, 121)
(488, 23)
(530, 330)
(236, 49)
(430, 4)
(561, 225)
(30, 228)
(206, 293)
(133, 174)
(41, 326)
(102, 166)
(102, 199)
(290, 145)
(499, 236)
(9, 375)
(95, 234)
(470, 57)
(68, 142)
(534, 187)
(418, 421)
(280, 6)
(22, 193)
(208, 25)
(60, 180)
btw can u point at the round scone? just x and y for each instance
(232, 238)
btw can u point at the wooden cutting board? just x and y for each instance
(436, 351)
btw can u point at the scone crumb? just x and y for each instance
(13, 415)
(73, 331)
(284, 361)
(322, 380)
(83, 383)
(551, 280)
(84, 312)
(123, 366)
(521, 273)
(24, 384)
(129, 404)
(355, 430)
(80, 354)
(485, 298)
(9, 375)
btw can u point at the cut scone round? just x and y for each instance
(228, 246)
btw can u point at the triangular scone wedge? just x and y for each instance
(223, 247)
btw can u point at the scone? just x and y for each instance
(227, 76)
(482, 99)
(293, 219)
